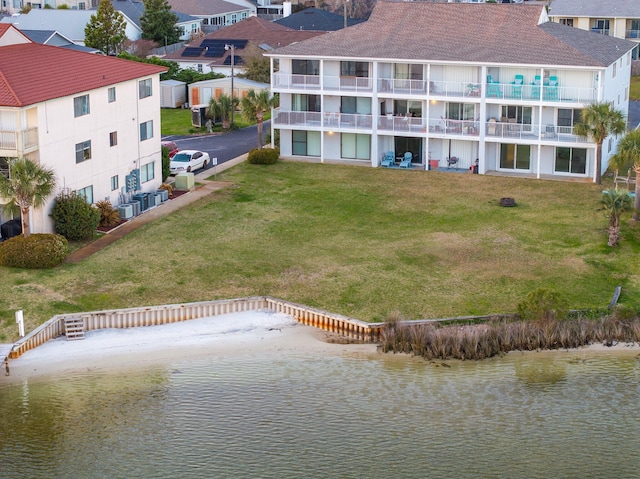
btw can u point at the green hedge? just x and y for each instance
(263, 156)
(35, 252)
(75, 219)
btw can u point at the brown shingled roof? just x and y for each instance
(31, 73)
(257, 31)
(478, 33)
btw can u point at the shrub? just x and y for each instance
(166, 163)
(167, 187)
(109, 216)
(542, 304)
(75, 219)
(264, 156)
(34, 252)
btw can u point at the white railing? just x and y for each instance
(347, 121)
(303, 118)
(546, 93)
(633, 34)
(504, 130)
(446, 126)
(172, 313)
(393, 123)
(348, 83)
(403, 87)
(288, 81)
(19, 141)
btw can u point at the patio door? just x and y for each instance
(414, 145)
(521, 115)
(515, 157)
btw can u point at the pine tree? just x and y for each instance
(158, 22)
(106, 29)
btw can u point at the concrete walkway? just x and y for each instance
(207, 187)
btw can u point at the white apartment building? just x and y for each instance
(94, 120)
(455, 85)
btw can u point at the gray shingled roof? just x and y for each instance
(595, 8)
(316, 19)
(478, 33)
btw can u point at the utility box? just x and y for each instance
(185, 181)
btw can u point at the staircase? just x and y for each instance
(74, 328)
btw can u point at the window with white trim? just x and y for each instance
(305, 143)
(81, 105)
(113, 138)
(86, 193)
(83, 151)
(111, 93)
(147, 172)
(355, 146)
(115, 183)
(146, 130)
(144, 87)
(571, 160)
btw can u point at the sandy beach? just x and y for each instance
(236, 333)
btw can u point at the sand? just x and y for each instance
(235, 333)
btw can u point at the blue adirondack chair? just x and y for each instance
(389, 159)
(406, 161)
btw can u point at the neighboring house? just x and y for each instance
(617, 18)
(70, 23)
(100, 133)
(15, 6)
(508, 97)
(209, 55)
(316, 19)
(215, 14)
(56, 39)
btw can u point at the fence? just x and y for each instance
(157, 315)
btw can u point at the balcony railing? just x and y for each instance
(347, 121)
(522, 131)
(393, 123)
(633, 34)
(348, 83)
(445, 126)
(601, 31)
(286, 81)
(300, 118)
(546, 93)
(403, 87)
(16, 143)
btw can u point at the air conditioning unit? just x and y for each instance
(151, 199)
(143, 200)
(125, 211)
(136, 207)
(158, 198)
(164, 194)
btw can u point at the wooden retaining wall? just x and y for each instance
(157, 315)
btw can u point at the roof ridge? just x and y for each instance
(5, 82)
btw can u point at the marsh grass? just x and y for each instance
(355, 241)
(497, 337)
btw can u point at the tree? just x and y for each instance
(221, 108)
(628, 156)
(615, 202)
(256, 66)
(599, 121)
(106, 29)
(158, 22)
(255, 105)
(27, 185)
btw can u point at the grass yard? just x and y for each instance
(358, 241)
(634, 90)
(177, 121)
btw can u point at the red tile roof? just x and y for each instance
(454, 32)
(31, 73)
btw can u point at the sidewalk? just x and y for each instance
(164, 209)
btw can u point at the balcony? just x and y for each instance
(338, 121)
(521, 131)
(349, 84)
(288, 81)
(545, 93)
(601, 31)
(17, 143)
(448, 127)
(632, 34)
(401, 124)
(296, 118)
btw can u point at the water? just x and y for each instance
(303, 414)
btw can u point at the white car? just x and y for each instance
(187, 161)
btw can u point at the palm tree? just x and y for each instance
(28, 184)
(615, 202)
(599, 121)
(255, 105)
(628, 156)
(222, 108)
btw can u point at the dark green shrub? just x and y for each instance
(109, 216)
(166, 163)
(75, 219)
(36, 251)
(542, 304)
(263, 156)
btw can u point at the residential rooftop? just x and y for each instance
(595, 8)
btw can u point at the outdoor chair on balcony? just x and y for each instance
(516, 88)
(493, 88)
(535, 88)
(389, 159)
(406, 161)
(551, 90)
(452, 161)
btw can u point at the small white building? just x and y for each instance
(173, 94)
(93, 119)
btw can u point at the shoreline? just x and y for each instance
(234, 334)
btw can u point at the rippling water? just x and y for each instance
(561, 415)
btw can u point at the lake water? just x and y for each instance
(306, 415)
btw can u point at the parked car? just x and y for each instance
(171, 146)
(188, 160)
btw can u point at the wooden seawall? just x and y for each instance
(165, 314)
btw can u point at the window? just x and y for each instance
(112, 94)
(404, 71)
(81, 105)
(460, 111)
(305, 102)
(234, 18)
(305, 143)
(83, 151)
(402, 107)
(86, 193)
(571, 160)
(522, 114)
(355, 146)
(601, 26)
(113, 138)
(82, 6)
(244, 15)
(115, 183)
(354, 69)
(144, 88)
(613, 75)
(199, 67)
(567, 21)
(147, 172)
(352, 104)
(146, 130)
(515, 157)
(205, 21)
(567, 118)
(305, 67)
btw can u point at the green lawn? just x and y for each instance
(634, 90)
(177, 121)
(358, 241)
